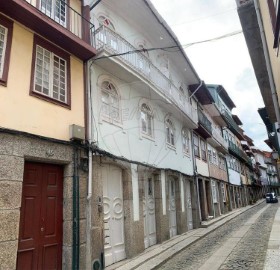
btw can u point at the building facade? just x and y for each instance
(43, 49)
(108, 144)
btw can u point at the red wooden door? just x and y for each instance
(40, 232)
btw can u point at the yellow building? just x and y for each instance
(44, 46)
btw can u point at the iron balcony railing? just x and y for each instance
(219, 138)
(65, 15)
(238, 152)
(203, 121)
(275, 184)
(267, 160)
(271, 172)
(231, 123)
(111, 42)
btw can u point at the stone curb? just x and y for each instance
(166, 250)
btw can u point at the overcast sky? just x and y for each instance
(226, 61)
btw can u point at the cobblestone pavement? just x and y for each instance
(248, 254)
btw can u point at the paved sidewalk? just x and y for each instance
(272, 260)
(160, 253)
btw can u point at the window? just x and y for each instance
(51, 77)
(143, 62)
(110, 102)
(170, 133)
(215, 161)
(150, 187)
(196, 145)
(210, 155)
(214, 192)
(146, 120)
(203, 150)
(105, 35)
(55, 9)
(6, 28)
(185, 141)
(181, 93)
(222, 164)
(223, 192)
(105, 21)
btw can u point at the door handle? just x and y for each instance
(42, 229)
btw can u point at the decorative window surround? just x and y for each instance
(110, 103)
(146, 121)
(186, 142)
(170, 134)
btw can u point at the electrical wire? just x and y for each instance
(170, 47)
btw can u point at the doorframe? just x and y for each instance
(142, 177)
(66, 166)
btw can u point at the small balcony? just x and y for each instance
(56, 21)
(204, 125)
(267, 160)
(271, 172)
(232, 126)
(237, 152)
(218, 141)
(137, 66)
(275, 184)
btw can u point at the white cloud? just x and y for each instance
(225, 61)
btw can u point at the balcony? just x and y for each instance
(267, 160)
(271, 172)
(232, 126)
(237, 152)
(204, 125)
(218, 141)
(56, 21)
(135, 66)
(275, 184)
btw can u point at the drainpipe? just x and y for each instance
(89, 188)
(268, 64)
(76, 215)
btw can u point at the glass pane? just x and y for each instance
(3, 36)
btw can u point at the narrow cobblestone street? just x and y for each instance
(252, 228)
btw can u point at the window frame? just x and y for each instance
(8, 24)
(108, 118)
(214, 192)
(60, 53)
(169, 126)
(196, 147)
(52, 15)
(203, 151)
(148, 112)
(186, 135)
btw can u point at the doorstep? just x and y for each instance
(158, 254)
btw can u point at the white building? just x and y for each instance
(142, 128)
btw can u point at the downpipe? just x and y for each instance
(89, 187)
(76, 214)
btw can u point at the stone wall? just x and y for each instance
(14, 151)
